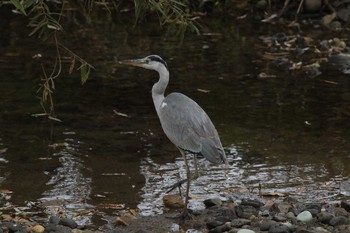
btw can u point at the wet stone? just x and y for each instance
(223, 228)
(313, 208)
(265, 226)
(212, 202)
(324, 217)
(345, 205)
(226, 214)
(246, 211)
(173, 201)
(68, 223)
(303, 230)
(213, 224)
(321, 230)
(341, 212)
(54, 220)
(341, 220)
(252, 202)
(239, 222)
(12, 227)
(279, 218)
(279, 228)
(50, 228)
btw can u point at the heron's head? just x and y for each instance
(151, 62)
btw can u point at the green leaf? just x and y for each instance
(19, 6)
(84, 73)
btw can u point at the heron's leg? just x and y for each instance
(196, 173)
(188, 182)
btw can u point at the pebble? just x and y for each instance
(341, 212)
(239, 222)
(324, 217)
(54, 220)
(222, 228)
(345, 205)
(245, 231)
(341, 220)
(304, 216)
(246, 211)
(252, 202)
(313, 208)
(213, 224)
(212, 202)
(265, 226)
(279, 218)
(279, 228)
(68, 223)
(173, 201)
(321, 230)
(38, 229)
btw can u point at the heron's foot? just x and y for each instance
(176, 185)
(186, 215)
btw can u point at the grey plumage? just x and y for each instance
(184, 122)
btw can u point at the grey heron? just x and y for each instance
(184, 122)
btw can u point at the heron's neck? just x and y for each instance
(159, 87)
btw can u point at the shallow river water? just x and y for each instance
(288, 134)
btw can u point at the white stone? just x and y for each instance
(245, 231)
(304, 216)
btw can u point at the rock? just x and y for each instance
(68, 223)
(265, 226)
(245, 231)
(279, 228)
(51, 228)
(212, 202)
(213, 224)
(313, 208)
(173, 201)
(345, 205)
(54, 220)
(321, 230)
(12, 227)
(279, 218)
(246, 211)
(345, 186)
(324, 217)
(303, 230)
(226, 214)
(239, 222)
(341, 220)
(223, 228)
(252, 202)
(290, 215)
(38, 229)
(327, 19)
(341, 212)
(304, 216)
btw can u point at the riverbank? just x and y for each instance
(251, 215)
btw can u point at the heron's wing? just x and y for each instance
(189, 127)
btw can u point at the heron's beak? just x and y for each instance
(134, 62)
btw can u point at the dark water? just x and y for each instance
(289, 134)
